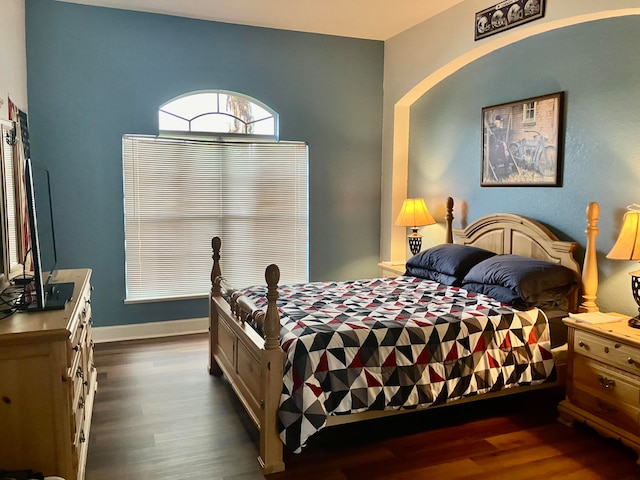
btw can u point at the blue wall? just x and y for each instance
(597, 65)
(95, 74)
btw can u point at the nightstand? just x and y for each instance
(603, 379)
(392, 269)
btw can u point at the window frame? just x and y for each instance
(272, 214)
(529, 113)
(219, 135)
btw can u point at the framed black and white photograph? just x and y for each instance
(506, 15)
(521, 143)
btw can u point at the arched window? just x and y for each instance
(217, 169)
(218, 112)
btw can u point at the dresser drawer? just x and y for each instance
(84, 317)
(611, 352)
(89, 367)
(78, 415)
(607, 393)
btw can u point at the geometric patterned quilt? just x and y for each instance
(397, 343)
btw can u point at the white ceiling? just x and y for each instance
(369, 19)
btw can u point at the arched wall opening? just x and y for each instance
(402, 112)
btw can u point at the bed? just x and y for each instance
(304, 357)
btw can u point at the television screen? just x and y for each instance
(48, 294)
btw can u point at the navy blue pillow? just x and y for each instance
(532, 281)
(427, 274)
(447, 263)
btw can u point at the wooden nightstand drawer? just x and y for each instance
(611, 352)
(607, 393)
(621, 415)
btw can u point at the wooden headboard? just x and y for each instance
(519, 235)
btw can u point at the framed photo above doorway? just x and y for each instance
(522, 143)
(507, 14)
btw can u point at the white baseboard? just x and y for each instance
(139, 331)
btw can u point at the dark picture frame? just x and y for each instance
(507, 14)
(522, 143)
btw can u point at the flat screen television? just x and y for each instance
(47, 294)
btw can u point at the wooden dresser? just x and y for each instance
(603, 379)
(47, 385)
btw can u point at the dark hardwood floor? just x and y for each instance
(159, 415)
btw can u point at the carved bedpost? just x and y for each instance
(448, 219)
(214, 368)
(590, 266)
(272, 365)
(216, 243)
(272, 319)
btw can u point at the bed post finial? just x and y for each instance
(590, 266)
(272, 320)
(448, 219)
(216, 243)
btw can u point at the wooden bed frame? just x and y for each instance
(253, 365)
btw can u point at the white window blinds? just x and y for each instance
(179, 194)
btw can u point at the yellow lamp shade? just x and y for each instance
(627, 247)
(414, 213)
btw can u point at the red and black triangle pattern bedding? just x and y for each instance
(397, 343)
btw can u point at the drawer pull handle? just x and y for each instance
(82, 437)
(581, 343)
(606, 349)
(606, 382)
(81, 403)
(630, 361)
(617, 345)
(79, 373)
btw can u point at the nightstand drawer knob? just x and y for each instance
(581, 343)
(606, 382)
(630, 361)
(606, 349)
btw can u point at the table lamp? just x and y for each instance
(414, 214)
(627, 247)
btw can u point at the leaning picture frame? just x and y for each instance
(522, 143)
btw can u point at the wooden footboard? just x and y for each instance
(251, 364)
